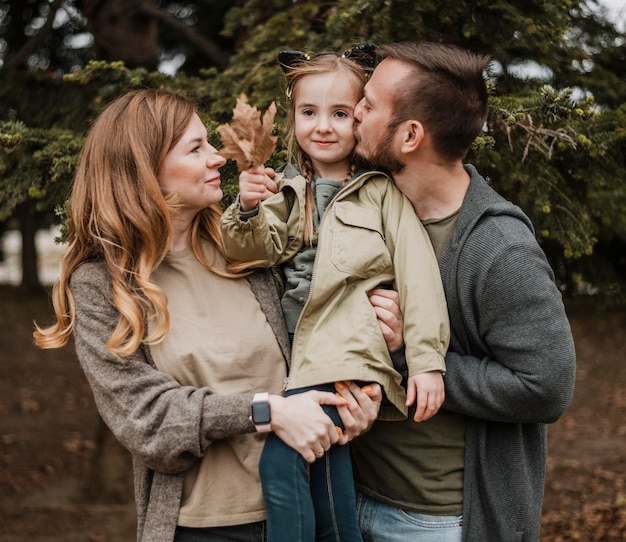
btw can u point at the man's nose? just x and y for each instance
(358, 110)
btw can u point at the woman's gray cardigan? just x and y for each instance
(510, 366)
(165, 426)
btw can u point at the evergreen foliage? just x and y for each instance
(554, 143)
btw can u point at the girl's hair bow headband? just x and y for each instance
(364, 55)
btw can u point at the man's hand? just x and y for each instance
(386, 304)
(360, 408)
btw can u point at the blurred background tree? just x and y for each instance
(554, 142)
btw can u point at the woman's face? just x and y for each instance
(191, 169)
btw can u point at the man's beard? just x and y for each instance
(382, 157)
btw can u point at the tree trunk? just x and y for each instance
(110, 479)
(28, 229)
(123, 30)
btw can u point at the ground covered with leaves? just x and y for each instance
(49, 439)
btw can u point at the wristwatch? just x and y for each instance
(261, 414)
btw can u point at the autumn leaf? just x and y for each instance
(247, 139)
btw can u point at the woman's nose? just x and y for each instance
(215, 160)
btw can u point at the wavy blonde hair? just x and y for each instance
(119, 215)
(324, 63)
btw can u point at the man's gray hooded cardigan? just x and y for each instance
(510, 365)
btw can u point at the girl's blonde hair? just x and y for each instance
(118, 215)
(321, 64)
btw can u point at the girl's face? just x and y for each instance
(191, 170)
(324, 118)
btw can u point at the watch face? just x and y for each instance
(261, 413)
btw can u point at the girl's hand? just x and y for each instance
(256, 185)
(427, 391)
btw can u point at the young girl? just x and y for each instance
(336, 233)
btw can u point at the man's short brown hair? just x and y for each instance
(446, 92)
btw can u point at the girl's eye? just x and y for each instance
(308, 112)
(341, 114)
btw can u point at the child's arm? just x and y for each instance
(426, 390)
(418, 282)
(263, 235)
(428, 387)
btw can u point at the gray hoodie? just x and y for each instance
(511, 363)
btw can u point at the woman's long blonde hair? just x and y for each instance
(118, 215)
(324, 63)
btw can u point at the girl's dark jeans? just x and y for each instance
(309, 502)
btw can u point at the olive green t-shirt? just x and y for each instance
(416, 466)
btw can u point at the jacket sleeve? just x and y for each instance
(523, 367)
(418, 282)
(271, 237)
(163, 424)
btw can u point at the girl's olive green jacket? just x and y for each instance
(368, 235)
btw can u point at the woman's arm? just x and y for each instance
(300, 422)
(164, 424)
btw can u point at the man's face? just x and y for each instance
(376, 143)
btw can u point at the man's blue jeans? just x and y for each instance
(307, 503)
(381, 522)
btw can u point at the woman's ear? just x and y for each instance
(413, 135)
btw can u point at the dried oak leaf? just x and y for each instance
(247, 140)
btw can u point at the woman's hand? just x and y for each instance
(386, 304)
(360, 408)
(299, 421)
(256, 185)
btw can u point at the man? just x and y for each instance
(476, 470)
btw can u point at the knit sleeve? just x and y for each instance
(508, 312)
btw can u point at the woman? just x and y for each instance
(157, 322)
